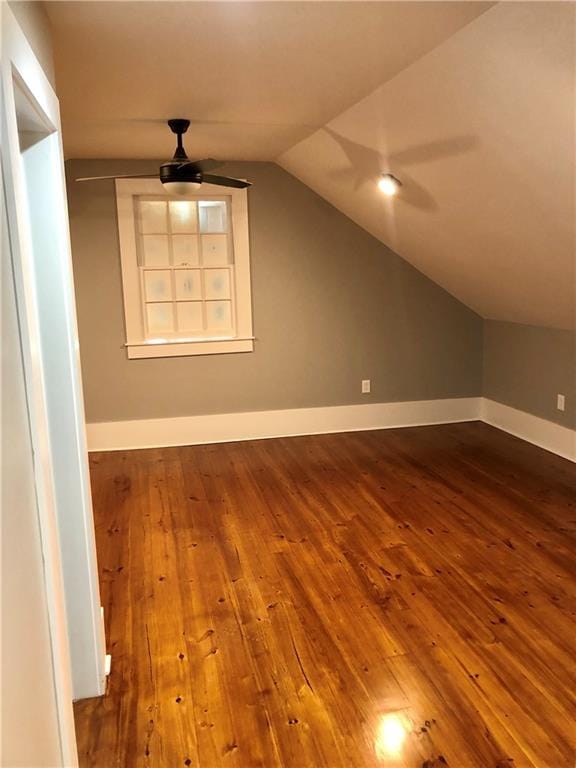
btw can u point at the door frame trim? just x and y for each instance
(21, 71)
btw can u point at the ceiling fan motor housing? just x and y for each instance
(175, 171)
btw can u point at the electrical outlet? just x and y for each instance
(365, 386)
(561, 402)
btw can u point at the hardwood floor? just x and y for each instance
(313, 601)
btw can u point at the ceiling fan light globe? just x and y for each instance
(182, 187)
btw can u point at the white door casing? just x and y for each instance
(38, 224)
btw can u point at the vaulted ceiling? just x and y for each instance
(470, 104)
(481, 133)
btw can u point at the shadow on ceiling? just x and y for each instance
(367, 163)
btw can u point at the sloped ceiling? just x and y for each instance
(470, 104)
(481, 133)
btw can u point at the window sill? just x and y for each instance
(188, 348)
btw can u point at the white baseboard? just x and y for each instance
(257, 425)
(545, 434)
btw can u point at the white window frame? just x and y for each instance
(137, 345)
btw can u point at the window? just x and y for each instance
(185, 270)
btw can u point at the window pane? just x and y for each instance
(153, 216)
(157, 285)
(219, 315)
(160, 318)
(188, 285)
(189, 314)
(183, 216)
(155, 250)
(214, 250)
(212, 216)
(185, 250)
(217, 283)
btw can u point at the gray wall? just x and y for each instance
(332, 306)
(526, 367)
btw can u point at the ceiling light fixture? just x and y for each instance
(182, 187)
(389, 184)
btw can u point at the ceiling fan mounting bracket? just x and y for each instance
(179, 125)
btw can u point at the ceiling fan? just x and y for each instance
(180, 175)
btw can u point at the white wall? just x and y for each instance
(29, 715)
(33, 20)
(45, 491)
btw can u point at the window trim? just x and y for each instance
(137, 345)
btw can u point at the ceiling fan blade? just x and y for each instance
(120, 176)
(225, 181)
(202, 165)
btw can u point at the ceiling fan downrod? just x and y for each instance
(179, 126)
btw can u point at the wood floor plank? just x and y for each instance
(400, 598)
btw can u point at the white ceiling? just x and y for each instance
(481, 133)
(470, 104)
(264, 75)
